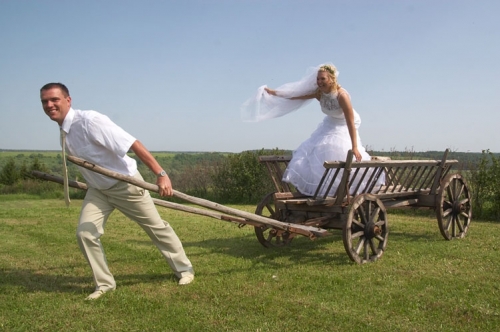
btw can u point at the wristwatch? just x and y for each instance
(162, 173)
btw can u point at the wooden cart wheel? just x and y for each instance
(267, 235)
(453, 207)
(366, 230)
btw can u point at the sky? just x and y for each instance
(423, 74)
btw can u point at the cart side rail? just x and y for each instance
(276, 166)
(402, 177)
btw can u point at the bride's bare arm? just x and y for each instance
(275, 93)
(345, 104)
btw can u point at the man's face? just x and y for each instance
(55, 104)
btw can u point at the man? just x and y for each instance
(94, 137)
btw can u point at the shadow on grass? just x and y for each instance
(300, 250)
(33, 281)
(328, 250)
(432, 235)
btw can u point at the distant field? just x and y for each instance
(461, 156)
(54, 153)
(52, 158)
(25, 153)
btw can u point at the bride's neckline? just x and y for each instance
(333, 93)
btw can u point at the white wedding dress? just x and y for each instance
(329, 142)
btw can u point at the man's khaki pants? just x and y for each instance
(135, 203)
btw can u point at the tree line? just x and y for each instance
(239, 178)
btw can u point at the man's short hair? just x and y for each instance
(60, 86)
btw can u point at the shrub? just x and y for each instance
(10, 173)
(242, 179)
(484, 182)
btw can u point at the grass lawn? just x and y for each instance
(421, 283)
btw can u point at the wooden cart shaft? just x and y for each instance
(246, 217)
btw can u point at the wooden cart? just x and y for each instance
(360, 210)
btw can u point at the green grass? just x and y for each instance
(422, 282)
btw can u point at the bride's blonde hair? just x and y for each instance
(332, 72)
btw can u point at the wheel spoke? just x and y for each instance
(454, 226)
(360, 245)
(357, 234)
(270, 209)
(460, 224)
(453, 186)
(457, 187)
(357, 223)
(369, 213)
(269, 237)
(450, 195)
(362, 214)
(447, 212)
(375, 214)
(464, 201)
(462, 187)
(372, 246)
(448, 223)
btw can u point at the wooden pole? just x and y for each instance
(58, 179)
(170, 205)
(308, 231)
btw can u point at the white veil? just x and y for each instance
(264, 106)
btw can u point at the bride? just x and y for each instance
(335, 135)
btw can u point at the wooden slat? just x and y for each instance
(414, 180)
(386, 163)
(402, 194)
(427, 171)
(379, 171)
(275, 166)
(399, 204)
(429, 180)
(396, 181)
(329, 178)
(289, 194)
(439, 172)
(370, 184)
(360, 181)
(275, 158)
(331, 182)
(447, 170)
(407, 173)
(343, 189)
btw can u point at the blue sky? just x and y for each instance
(423, 75)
